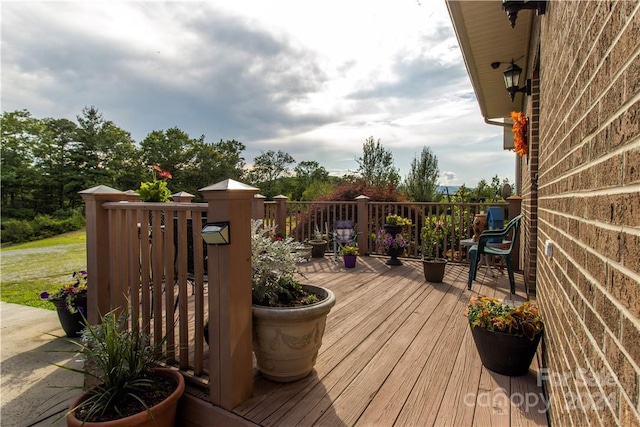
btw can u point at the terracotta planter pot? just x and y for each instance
(286, 340)
(433, 269)
(506, 354)
(164, 413)
(72, 323)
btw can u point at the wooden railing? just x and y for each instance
(302, 220)
(150, 259)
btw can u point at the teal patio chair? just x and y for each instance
(343, 234)
(485, 247)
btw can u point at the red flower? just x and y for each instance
(164, 174)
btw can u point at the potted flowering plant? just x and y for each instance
(71, 303)
(350, 255)
(392, 245)
(284, 310)
(433, 234)
(156, 190)
(394, 224)
(506, 335)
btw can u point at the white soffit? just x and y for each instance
(485, 36)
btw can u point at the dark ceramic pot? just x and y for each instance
(72, 323)
(393, 229)
(350, 261)
(319, 248)
(394, 253)
(506, 354)
(434, 269)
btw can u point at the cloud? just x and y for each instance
(314, 80)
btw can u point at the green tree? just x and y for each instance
(267, 168)
(307, 174)
(101, 154)
(53, 159)
(422, 181)
(19, 132)
(211, 163)
(376, 165)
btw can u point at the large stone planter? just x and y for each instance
(286, 340)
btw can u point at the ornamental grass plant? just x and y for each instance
(121, 361)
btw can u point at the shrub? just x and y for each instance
(16, 231)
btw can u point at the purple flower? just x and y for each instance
(44, 295)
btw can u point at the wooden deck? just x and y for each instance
(398, 351)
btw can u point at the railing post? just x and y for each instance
(132, 196)
(98, 249)
(362, 203)
(515, 208)
(182, 197)
(230, 315)
(281, 213)
(257, 208)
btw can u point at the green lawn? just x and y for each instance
(44, 265)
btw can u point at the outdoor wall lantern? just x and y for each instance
(512, 78)
(512, 7)
(216, 233)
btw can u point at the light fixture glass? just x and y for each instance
(512, 75)
(216, 233)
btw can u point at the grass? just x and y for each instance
(45, 265)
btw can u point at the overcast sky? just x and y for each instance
(314, 79)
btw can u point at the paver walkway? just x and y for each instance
(26, 372)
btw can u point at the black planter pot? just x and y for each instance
(393, 229)
(72, 323)
(505, 354)
(394, 253)
(434, 269)
(319, 248)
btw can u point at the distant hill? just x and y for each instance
(451, 189)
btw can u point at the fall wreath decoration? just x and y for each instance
(519, 130)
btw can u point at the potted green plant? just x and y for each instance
(156, 190)
(506, 335)
(390, 244)
(318, 243)
(350, 255)
(130, 389)
(288, 317)
(71, 303)
(432, 235)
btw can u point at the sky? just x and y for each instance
(313, 79)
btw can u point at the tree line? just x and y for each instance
(46, 162)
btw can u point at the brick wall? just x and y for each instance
(589, 207)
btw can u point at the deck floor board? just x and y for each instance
(397, 351)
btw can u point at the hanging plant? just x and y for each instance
(519, 130)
